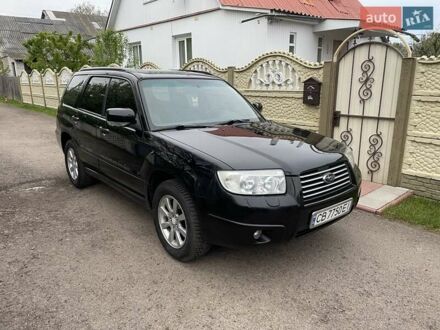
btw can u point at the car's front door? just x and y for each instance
(124, 151)
(91, 112)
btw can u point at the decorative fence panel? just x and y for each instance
(50, 86)
(25, 87)
(44, 89)
(421, 163)
(37, 88)
(274, 79)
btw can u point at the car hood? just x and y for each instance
(261, 145)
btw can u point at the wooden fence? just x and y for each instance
(10, 88)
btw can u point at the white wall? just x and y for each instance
(306, 40)
(135, 12)
(221, 37)
(217, 35)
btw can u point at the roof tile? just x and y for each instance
(336, 9)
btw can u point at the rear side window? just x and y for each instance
(120, 95)
(94, 94)
(73, 90)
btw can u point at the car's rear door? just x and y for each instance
(68, 114)
(124, 151)
(91, 112)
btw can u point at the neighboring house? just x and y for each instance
(232, 32)
(14, 31)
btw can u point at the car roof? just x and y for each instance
(145, 74)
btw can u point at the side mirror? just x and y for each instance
(258, 106)
(120, 117)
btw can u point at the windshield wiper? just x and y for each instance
(235, 121)
(182, 127)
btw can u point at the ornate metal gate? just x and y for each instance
(368, 82)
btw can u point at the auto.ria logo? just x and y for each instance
(418, 18)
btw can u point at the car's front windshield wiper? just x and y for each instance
(182, 127)
(235, 121)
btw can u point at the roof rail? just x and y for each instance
(198, 71)
(103, 68)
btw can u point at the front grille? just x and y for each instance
(314, 187)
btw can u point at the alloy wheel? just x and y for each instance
(72, 164)
(172, 221)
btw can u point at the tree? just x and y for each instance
(54, 50)
(4, 70)
(110, 47)
(86, 8)
(429, 45)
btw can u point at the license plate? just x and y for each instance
(330, 213)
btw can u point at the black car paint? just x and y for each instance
(135, 159)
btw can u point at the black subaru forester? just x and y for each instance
(211, 168)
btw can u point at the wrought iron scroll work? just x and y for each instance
(376, 143)
(366, 80)
(347, 136)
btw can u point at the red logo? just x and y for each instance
(381, 18)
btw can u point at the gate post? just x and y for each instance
(401, 120)
(328, 98)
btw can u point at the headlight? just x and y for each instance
(260, 182)
(349, 154)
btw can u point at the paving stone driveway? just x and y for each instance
(90, 259)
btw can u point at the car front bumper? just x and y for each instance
(232, 221)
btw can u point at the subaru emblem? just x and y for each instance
(329, 178)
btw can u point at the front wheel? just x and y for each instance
(177, 222)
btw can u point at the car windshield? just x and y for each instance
(191, 102)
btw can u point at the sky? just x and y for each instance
(33, 8)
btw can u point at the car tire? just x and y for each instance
(177, 222)
(75, 168)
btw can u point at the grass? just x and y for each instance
(417, 210)
(31, 107)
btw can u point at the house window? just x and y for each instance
(184, 48)
(292, 43)
(319, 55)
(135, 55)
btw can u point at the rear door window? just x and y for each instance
(94, 95)
(73, 90)
(120, 95)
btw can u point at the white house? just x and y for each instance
(231, 32)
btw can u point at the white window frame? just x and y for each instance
(320, 49)
(187, 56)
(292, 45)
(131, 57)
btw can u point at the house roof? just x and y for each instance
(86, 25)
(14, 31)
(336, 9)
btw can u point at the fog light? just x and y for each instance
(257, 234)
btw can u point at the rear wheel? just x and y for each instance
(75, 168)
(177, 222)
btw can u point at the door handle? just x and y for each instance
(75, 120)
(104, 131)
